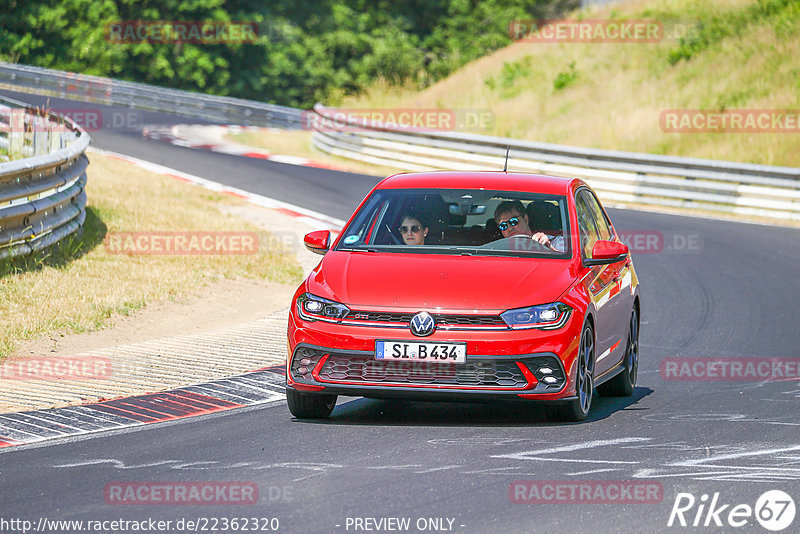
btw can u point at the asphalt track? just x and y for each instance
(715, 289)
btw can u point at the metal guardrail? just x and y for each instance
(109, 91)
(42, 196)
(623, 177)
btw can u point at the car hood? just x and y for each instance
(374, 281)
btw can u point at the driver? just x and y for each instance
(413, 229)
(512, 220)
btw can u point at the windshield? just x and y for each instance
(461, 221)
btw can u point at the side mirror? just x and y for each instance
(607, 252)
(318, 242)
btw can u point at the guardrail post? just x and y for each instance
(16, 135)
(40, 136)
(56, 138)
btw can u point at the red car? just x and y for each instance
(467, 286)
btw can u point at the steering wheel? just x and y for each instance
(515, 239)
(396, 240)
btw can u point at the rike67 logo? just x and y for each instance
(774, 510)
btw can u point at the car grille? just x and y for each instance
(485, 373)
(441, 319)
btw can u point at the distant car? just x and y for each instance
(475, 312)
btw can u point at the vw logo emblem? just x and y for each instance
(422, 324)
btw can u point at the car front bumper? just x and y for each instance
(334, 359)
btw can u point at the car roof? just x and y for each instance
(512, 181)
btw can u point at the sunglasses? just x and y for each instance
(413, 229)
(513, 221)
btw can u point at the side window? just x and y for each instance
(603, 228)
(587, 230)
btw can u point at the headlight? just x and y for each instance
(546, 316)
(313, 308)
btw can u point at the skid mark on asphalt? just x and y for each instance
(787, 420)
(628, 458)
(536, 454)
(763, 465)
(591, 472)
(742, 463)
(260, 387)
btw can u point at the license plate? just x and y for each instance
(420, 351)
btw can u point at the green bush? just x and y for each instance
(510, 74)
(565, 78)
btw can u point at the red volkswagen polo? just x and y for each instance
(467, 286)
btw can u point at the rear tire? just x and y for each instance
(624, 383)
(305, 406)
(577, 409)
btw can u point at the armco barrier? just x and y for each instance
(623, 177)
(137, 95)
(42, 197)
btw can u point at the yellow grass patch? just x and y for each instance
(617, 91)
(81, 285)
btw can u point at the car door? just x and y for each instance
(612, 302)
(597, 280)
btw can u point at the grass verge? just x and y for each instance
(80, 285)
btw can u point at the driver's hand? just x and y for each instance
(539, 237)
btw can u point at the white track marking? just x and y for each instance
(536, 453)
(581, 473)
(735, 455)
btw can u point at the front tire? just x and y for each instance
(577, 409)
(624, 383)
(305, 406)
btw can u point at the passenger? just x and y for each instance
(413, 229)
(513, 220)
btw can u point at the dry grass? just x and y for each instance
(620, 89)
(81, 286)
(298, 143)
